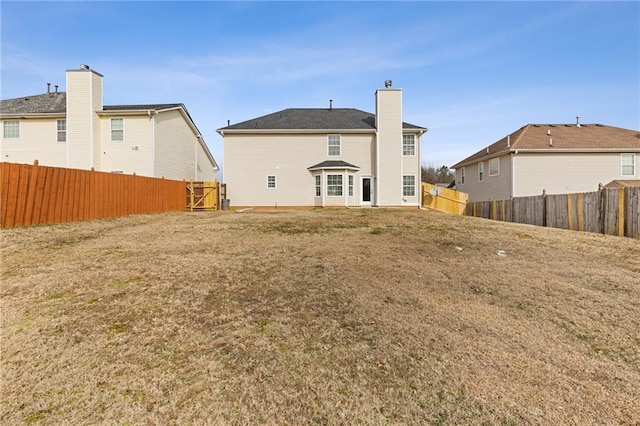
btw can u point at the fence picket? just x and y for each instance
(611, 211)
(34, 194)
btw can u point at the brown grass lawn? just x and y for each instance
(369, 316)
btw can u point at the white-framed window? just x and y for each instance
(333, 145)
(462, 172)
(271, 182)
(408, 186)
(334, 185)
(61, 126)
(117, 129)
(494, 167)
(318, 185)
(481, 171)
(408, 144)
(11, 129)
(350, 186)
(628, 162)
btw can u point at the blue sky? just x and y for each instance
(471, 72)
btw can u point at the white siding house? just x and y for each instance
(74, 129)
(555, 158)
(325, 157)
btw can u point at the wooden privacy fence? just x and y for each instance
(33, 194)
(443, 199)
(610, 211)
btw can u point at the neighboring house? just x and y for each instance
(556, 158)
(74, 129)
(325, 157)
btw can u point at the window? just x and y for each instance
(481, 171)
(271, 182)
(11, 129)
(628, 164)
(117, 129)
(408, 145)
(408, 186)
(333, 147)
(494, 167)
(334, 185)
(350, 185)
(318, 186)
(462, 175)
(62, 130)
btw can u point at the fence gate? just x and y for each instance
(203, 196)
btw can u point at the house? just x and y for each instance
(73, 129)
(555, 158)
(325, 157)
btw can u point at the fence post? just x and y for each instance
(570, 212)
(621, 218)
(544, 207)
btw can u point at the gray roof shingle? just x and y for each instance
(56, 103)
(48, 103)
(313, 119)
(333, 164)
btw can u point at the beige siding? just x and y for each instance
(563, 173)
(492, 187)
(205, 168)
(133, 154)
(37, 141)
(176, 147)
(84, 98)
(249, 159)
(389, 124)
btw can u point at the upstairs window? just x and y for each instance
(333, 145)
(481, 171)
(408, 186)
(462, 175)
(11, 129)
(628, 161)
(62, 130)
(334, 185)
(494, 167)
(408, 145)
(117, 129)
(271, 182)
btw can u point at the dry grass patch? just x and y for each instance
(368, 316)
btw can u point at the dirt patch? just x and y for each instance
(372, 316)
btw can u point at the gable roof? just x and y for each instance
(560, 138)
(314, 119)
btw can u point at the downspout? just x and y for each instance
(153, 143)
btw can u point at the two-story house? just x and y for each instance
(73, 129)
(555, 158)
(323, 157)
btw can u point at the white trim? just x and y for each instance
(633, 163)
(370, 202)
(275, 182)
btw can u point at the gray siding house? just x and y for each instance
(555, 158)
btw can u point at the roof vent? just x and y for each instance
(330, 104)
(387, 83)
(577, 121)
(84, 67)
